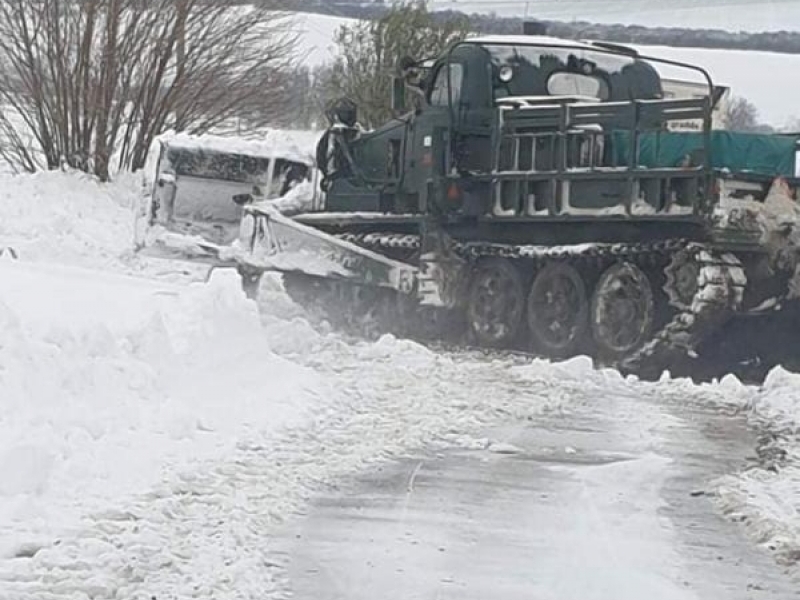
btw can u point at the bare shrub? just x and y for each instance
(96, 80)
(742, 115)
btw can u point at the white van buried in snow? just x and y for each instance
(188, 209)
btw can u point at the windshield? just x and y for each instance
(215, 165)
(520, 70)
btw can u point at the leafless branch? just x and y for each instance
(90, 80)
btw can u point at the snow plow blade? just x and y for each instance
(270, 241)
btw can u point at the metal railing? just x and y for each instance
(567, 158)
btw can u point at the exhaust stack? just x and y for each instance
(534, 28)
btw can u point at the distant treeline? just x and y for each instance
(787, 42)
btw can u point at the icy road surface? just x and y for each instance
(607, 500)
(163, 439)
(160, 441)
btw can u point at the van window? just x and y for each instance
(213, 165)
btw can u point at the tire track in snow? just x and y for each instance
(204, 532)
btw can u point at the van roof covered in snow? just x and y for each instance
(295, 146)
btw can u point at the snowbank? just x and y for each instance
(121, 382)
(766, 497)
(68, 218)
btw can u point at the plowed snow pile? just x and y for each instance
(108, 382)
(67, 218)
(152, 432)
(766, 497)
(71, 219)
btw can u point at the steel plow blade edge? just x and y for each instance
(271, 241)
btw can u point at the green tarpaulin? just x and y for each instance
(771, 155)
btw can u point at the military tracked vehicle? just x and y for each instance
(532, 195)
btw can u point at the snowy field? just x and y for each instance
(758, 76)
(155, 429)
(316, 36)
(764, 78)
(729, 15)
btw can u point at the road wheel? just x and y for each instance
(622, 312)
(495, 302)
(558, 310)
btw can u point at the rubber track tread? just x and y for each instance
(721, 283)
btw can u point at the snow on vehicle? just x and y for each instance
(535, 197)
(187, 211)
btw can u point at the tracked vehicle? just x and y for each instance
(532, 197)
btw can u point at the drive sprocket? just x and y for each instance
(720, 288)
(682, 275)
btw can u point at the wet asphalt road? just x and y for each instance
(608, 502)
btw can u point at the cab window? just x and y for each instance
(567, 83)
(439, 89)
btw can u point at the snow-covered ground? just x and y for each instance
(68, 218)
(154, 430)
(107, 380)
(766, 498)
